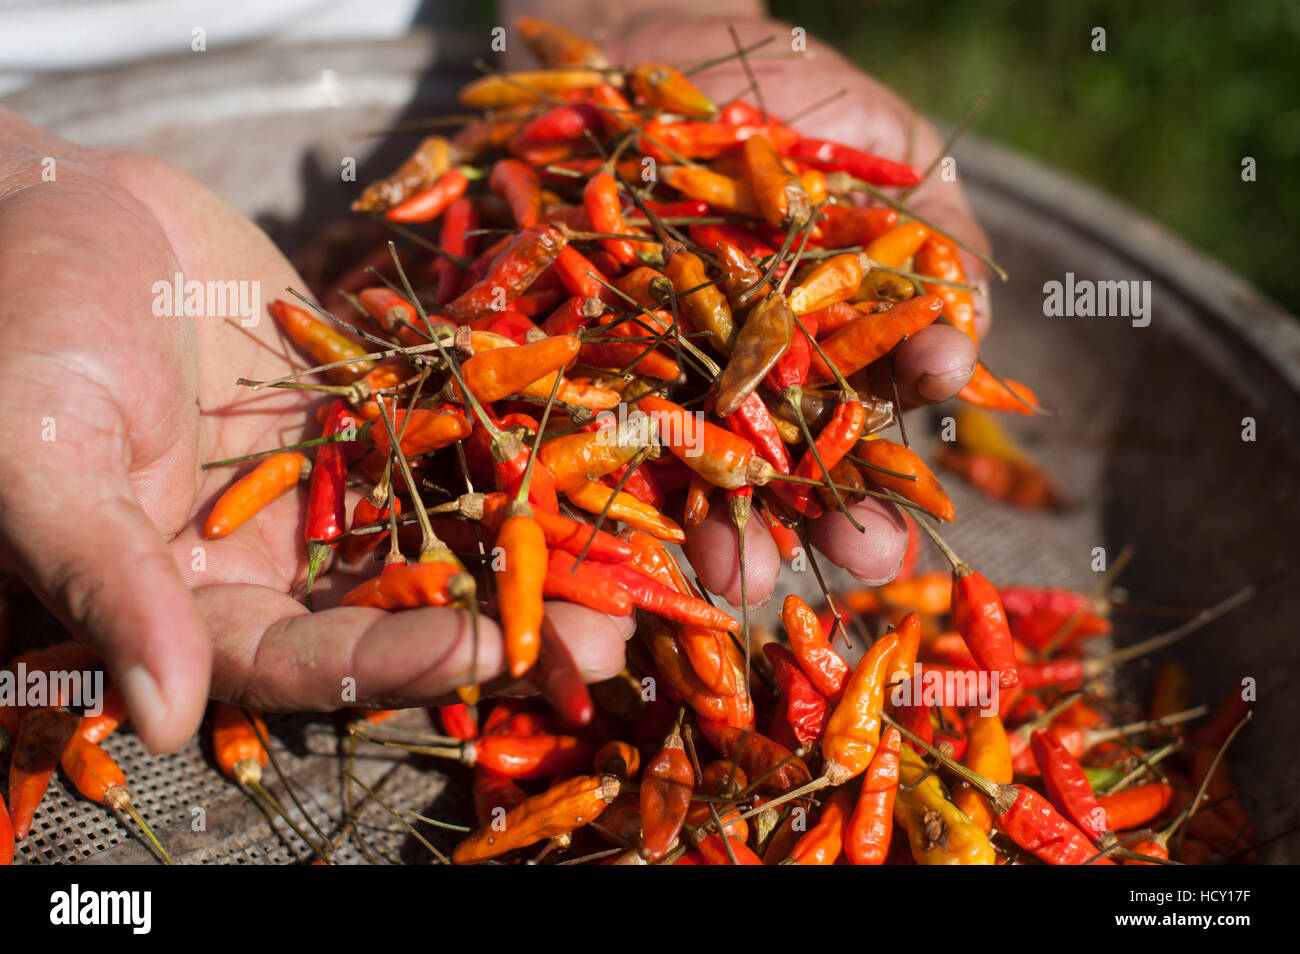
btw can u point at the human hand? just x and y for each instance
(103, 520)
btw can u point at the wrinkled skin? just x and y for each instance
(103, 521)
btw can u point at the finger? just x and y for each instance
(872, 556)
(931, 366)
(712, 550)
(100, 565)
(272, 654)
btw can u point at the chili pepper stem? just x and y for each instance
(959, 566)
(1002, 796)
(1195, 805)
(409, 827)
(740, 506)
(284, 778)
(794, 395)
(119, 799)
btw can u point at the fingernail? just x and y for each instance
(144, 699)
(940, 387)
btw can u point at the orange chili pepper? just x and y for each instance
(42, 736)
(939, 257)
(604, 210)
(1019, 484)
(985, 391)
(663, 87)
(719, 191)
(6, 836)
(240, 753)
(510, 273)
(666, 788)
(833, 280)
(426, 430)
(711, 847)
(575, 458)
(494, 795)
(872, 826)
(897, 245)
(492, 375)
(707, 651)
(618, 758)
(524, 757)
(853, 731)
(872, 336)
(592, 497)
(406, 587)
(323, 343)
(824, 667)
(525, 86)
(555, 46)
(705, 310)
(562, 808)
(250, 494)
(521, 582)
(824, 842)
(988, 752)
(1135, 807)
(719, 456)
(780, 195)
(924, 491)
(112, 715)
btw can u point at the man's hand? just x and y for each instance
(103, 520)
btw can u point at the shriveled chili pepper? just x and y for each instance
(937, 831)
(246, 497)
(663, 87)
(925, 491)
(710, 653)
(428, 204)
(563, 807)
(42, 736)
(871, 826)
(805, 708)
(518, 184)
(584, 584)
(856, 162)
(781, 196)
(853, 731)
(705, 309)
(592, 496)
(758, 755)
(684, 684)
(666, 788)
(529, 253)
(322, 342)
(697, 501)
(765, 336)
(823, 666)
(872, 336)
(989, 754)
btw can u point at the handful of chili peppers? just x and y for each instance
(621, 292)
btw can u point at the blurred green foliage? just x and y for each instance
(1162, 118)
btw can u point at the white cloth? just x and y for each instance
(42, 37)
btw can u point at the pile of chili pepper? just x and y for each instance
(614, 294)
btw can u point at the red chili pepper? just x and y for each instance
(529, 757)
(1067, 785)
(872, 826)
(857, 163)
(749, 244)
(581, 277)
(853, 732)
(601, 200)
(653, 596)
(845, 226)
(1033, 824)
(758, 755)
(564, 122)
(753, 421)
(585, 584)
(824, 842)
(458, 721)
(666, 788)
(1135, 807)
(428, 204)
(833, 443)
(977, 613)
(805, 708)
(557, 677)
(460, 219)
(527, 254)
(326, 504)
(42, 736)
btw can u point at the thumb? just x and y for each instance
(96, 561)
